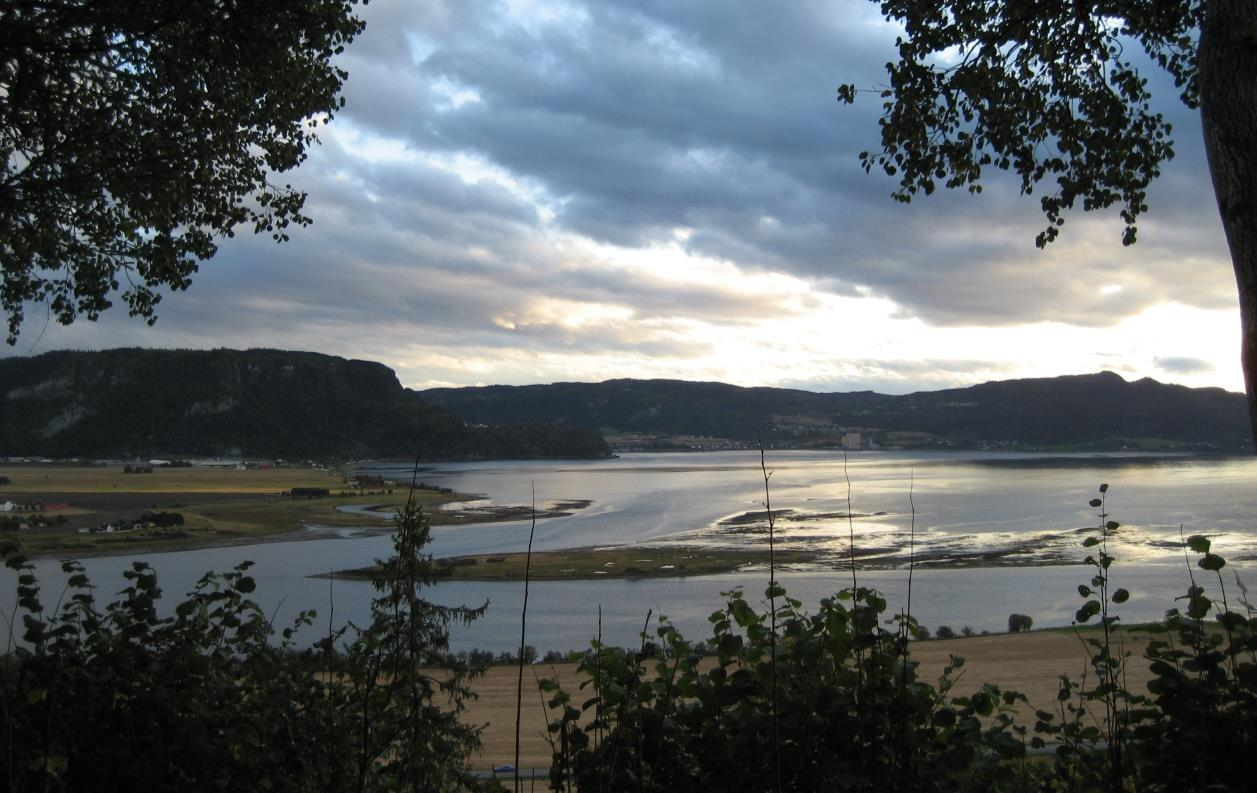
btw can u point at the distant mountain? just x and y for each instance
(133, 402)
(1097, 410)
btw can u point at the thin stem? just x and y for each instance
(850, 525)
(523, 630)
(904, 618)
(772, 612)
(912, 536)
(598, 692)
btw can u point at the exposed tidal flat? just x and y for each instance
(992, 534)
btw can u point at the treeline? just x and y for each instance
(261, 403)
(1098, 409)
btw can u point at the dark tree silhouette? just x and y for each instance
(1050, 92)
(133, 135)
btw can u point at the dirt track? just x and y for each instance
(1029, 662)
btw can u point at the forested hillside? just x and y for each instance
(130, 402)
(1095, 409)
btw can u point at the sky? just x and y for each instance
(530, 191)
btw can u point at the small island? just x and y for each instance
(638, 561)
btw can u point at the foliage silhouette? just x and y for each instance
(212, 698)
(664, 720)
(133, 137)
(1054, 93)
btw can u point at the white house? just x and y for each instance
(7, 506)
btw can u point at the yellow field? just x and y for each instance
(1030, 663)
(57, 479)
(219, 506)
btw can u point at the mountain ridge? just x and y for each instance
(1100, 410)
(265, 402)
(131, 402)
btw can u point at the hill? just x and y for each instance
(1096, 411)
(133, 402)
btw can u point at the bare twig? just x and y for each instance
(523, 630)
(772, 612)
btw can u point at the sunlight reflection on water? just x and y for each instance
(1014, 517)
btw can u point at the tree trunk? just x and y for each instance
(1227, 62)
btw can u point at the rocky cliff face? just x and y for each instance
(253, 402)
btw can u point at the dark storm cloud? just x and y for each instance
(487, 152)
(637, 118)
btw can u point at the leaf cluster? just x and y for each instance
(1204, 689)
(851, 712)
(211, 697)
(1194, 726)
(134, 134)
(1047, 91)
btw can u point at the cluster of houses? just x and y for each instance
(33, 506)
(149, 520)
(109, 528)
(29, 515)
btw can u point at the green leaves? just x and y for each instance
(1198, 605)
(130, 699)
(1211, 562)
(838, 680)
(1040, 90)
(1198, 543)
(1088, 610)
(131, 139)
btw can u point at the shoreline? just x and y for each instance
(216, 508)
(137, 542)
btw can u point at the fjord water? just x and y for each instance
(995, 533)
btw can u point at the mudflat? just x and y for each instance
(1030, 663)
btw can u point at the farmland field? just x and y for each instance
(219, 506)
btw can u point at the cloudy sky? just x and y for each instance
(523, 192)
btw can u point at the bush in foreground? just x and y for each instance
(831, 701)
(838, 707)
(121, 699)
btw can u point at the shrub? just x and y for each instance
(1197, 729)
(120, 699)
(851, 713)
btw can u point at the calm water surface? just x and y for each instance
(1016, 516)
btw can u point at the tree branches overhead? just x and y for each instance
(1048, 91)
(133, 135)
